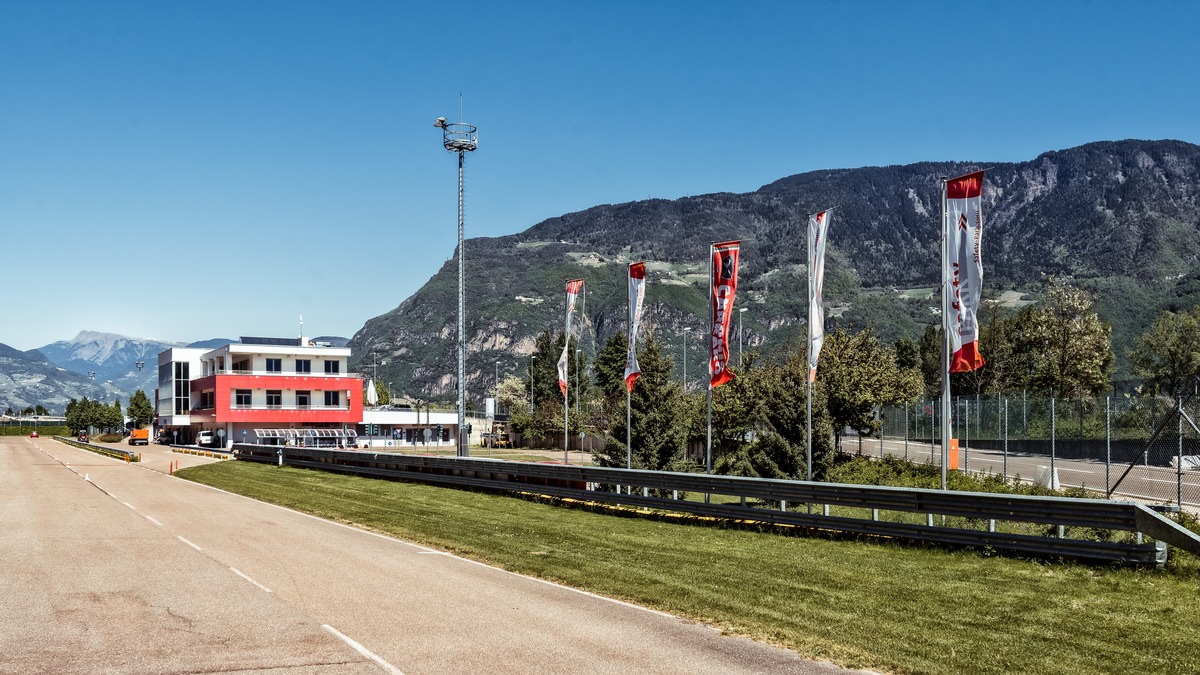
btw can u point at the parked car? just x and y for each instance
(33, 434)
(206, 439)
(83, 437)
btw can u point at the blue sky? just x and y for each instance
(186, 170)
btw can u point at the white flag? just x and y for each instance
(964, 233)
(637, 294)
(818, 224)
(573, 289)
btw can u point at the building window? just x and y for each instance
(242, 366)
(207, 400)
(303, 366)
(303, 399)
(241, 398)
(274, 365)
(331, 367)
(274, 398)
(333, 399)
(183, 402)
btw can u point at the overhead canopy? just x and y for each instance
(305, 433)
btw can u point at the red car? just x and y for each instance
(33, 434)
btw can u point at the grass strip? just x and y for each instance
(859, 603)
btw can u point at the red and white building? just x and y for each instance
(260, 390)
(277, 391)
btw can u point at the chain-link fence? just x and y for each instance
(1141, 447)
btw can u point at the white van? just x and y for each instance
(206, 438)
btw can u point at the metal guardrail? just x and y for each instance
(119, 453)
(662, 490)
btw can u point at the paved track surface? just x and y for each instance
(1147, 483)
(115, 567)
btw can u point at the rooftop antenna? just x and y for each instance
(301, 330)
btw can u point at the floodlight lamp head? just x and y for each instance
(440, 123)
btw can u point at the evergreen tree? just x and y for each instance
(656, 413)
(140, 409)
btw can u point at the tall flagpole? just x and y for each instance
(808, 353)
(628, 432)
(708, 450)
(567, 386)
(628, 397)
(946, 291)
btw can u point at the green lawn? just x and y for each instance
(860, 603)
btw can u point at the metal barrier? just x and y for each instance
(127, 455)
(1073, 527)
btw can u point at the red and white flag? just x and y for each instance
(818, 224)
(724, 287)
(637, 294)
(964, 234)
(574, 287)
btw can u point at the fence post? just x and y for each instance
(1179, 462)
(906, 431)
(1107, 442)
(967, 437)
(1006, 440)
(1024, 417)
(1052, 440)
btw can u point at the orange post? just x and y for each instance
(953, 455)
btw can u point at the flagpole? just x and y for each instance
(567, 386)
(708, 447)
(628, 432)
(808, 352)
(946, 290)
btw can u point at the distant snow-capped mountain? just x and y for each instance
(30, 379)
(113, 358)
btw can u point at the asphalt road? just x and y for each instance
(1147, 483)
(115, 567)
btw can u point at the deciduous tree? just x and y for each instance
(1167, 355)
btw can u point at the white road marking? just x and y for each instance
(363, 650)
(1075, 470)
(130, 505)
(189, 543)
(153, 521)
(432, 553)
(240, 574)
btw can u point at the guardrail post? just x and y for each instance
(991, 524)
(782, 504)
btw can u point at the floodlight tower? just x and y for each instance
(460, 138)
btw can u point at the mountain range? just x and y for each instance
(92, 364)
(1120, 219)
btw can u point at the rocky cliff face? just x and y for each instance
(1120, 218)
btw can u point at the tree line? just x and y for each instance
(88, 413)
(759, 427)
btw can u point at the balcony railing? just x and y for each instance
(315, 406)
(278, 373)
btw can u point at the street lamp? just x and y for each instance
(740, 312)
(531, 358)
(685, 334)
(459, 138)
(577, 353)
(139, 365)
